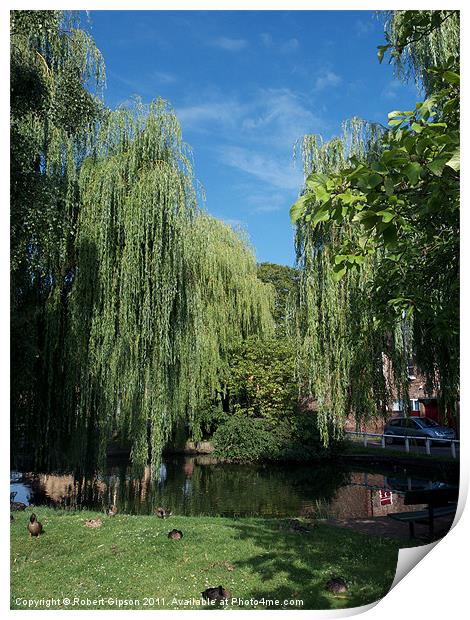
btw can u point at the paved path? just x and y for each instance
(388, 528)
(400, 447)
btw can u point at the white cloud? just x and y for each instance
(274, 117)
(279, 118)
(165, 78)
(364, 26)
(292, 45)
(267, 208)
(198, 116)
(231, 45)
(391, 90)
(327, 79)
(273, 171)
(257, 136)
(266, 39)
(266, 201)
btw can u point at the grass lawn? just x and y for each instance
(131, 557)
(389, 453)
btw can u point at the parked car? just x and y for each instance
(417, 428)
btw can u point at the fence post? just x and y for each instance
(365, 439)
(452, 449)
(428, 446)
(383, 441)
(407, 444)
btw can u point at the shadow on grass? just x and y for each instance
(296, 565)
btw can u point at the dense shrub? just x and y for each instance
(243, 438)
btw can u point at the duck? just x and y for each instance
(215, 594)
(34, 526)
(295, 525)
(162, 513)
(337, 585)
(111, 511)
(17, 506)
(93, 523)
(175, 535)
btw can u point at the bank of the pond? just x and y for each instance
(359, 455)
(131, 558)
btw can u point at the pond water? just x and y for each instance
(202, 485)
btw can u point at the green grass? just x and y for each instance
(130, 557)
(397, 454)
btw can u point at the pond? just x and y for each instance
(201, 485)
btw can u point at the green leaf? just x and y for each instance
(298, 208)
(436, 166)
(390, 235)
(451, 77)
(395, 113)
(369, 181)
(338, 272)
(426, 108)
(389, 186)
(321, 194)
(316, 178)
(381, 51)
(321, 215)
(454, 161)
(413, 171)
(387, 216)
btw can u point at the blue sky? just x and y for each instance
(245, 86)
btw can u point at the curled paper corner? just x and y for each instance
(408, 558)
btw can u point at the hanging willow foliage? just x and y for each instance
(422, 40)
(125, 295)
(345, 356)
(161, 290)
(52, 116)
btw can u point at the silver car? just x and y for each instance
(417, 428)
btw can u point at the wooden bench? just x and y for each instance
(440, 503)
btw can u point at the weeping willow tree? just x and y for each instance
(160, 292)
(125, 295)
(341, 342)
(55, 68)
(377, 236)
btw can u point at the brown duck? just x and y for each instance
(111, 511)
(16, 505)
(337, 585)
(93, 523)
(34, 526)
(162, 513)
(175, 535)
(215, 594)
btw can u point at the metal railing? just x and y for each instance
(382, 440)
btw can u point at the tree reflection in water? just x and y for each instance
(193, 486)
(202, 485)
